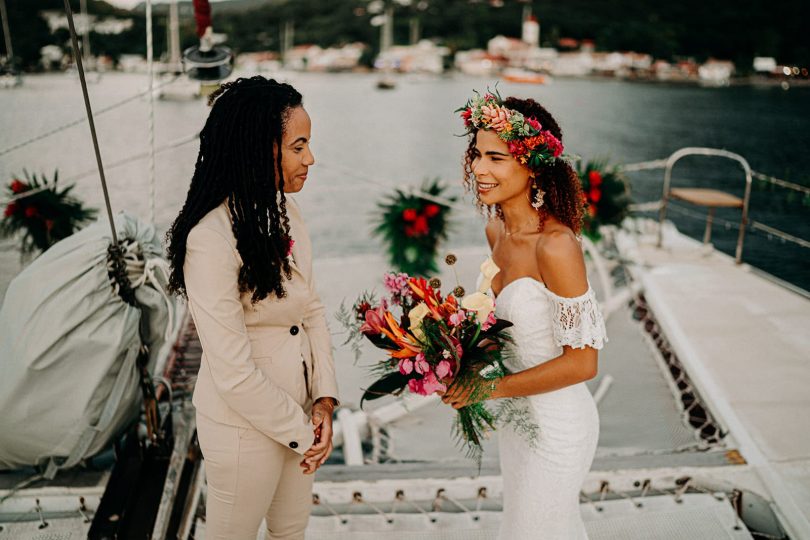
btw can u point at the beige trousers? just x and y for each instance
(251, 477)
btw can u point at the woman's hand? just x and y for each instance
(322, 447)
(458, 396)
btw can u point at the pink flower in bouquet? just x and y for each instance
(416, 386)
(406, 366)
(375, 321)
(443, 369)
(489, 322)
(421, 364)
(430, 384)
(457, 318)
(397, 285)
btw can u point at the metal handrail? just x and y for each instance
(714, 152)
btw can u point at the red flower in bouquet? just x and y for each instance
(409, 214)
(595, 178)
(11, 209)
(31, 212)
(595, 194)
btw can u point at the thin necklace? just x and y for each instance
(517, 231)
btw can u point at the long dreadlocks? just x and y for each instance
(237, 162)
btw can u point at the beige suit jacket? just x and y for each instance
(262, 365)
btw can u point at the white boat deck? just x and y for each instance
(745, 340)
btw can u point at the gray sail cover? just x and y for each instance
(69, 343)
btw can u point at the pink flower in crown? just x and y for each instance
(534, 124)
(406, 366)
(431, 384)
(553, 144)
(496, 117)
(517, 148)
(421, 364)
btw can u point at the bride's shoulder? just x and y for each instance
(558, 242)
(560, 259)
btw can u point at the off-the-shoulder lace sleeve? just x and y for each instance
(578, 322)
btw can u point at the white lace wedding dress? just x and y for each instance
(542, 480)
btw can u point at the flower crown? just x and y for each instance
(528, 142)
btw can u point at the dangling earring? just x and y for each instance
(538, 196)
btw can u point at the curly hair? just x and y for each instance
(237, 163)
(563, 197)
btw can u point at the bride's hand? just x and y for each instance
(457, 397)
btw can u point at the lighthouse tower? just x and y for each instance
(531, 31)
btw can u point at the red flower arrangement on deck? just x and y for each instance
(412, 223)
(41, 212)
(605, 195)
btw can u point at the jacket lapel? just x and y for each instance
(301, 251)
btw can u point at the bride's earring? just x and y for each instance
(538, 196)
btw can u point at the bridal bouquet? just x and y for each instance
(435, 342)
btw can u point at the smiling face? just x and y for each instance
(499, 177)
(296, 155)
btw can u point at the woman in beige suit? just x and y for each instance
(241, 254)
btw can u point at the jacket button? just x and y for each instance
(293, 330)
(293, 445)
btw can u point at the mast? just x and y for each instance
(174, 38)
(7, 35)
(387, 30)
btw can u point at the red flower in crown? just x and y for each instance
(432, 210)
(466, 115)
(554, 145)
(17, 186)
(409, 214)
(595, 178)
(517, 148)
(11, 209)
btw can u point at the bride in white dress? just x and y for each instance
(534, 199)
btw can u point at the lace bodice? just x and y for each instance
(544, 322)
